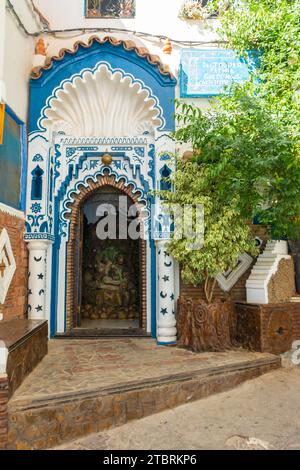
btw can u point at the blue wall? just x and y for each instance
(13, 162)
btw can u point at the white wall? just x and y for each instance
(17, 52)
(155, 16)
(158, 17)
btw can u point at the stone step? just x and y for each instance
(265, 261)
(44, 421)
(257, 275)
(255, 283)
(260, 269)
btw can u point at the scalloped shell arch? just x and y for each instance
(104, 103)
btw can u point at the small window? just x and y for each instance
(37, 184)
(165, 184)
(110, 9)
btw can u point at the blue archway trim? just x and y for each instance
(117, 50)
(162, 86)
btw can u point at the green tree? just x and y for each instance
(247, 146)
(243, 165)
(273, 28)
(226, 235)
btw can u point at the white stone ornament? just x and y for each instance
(230, 278)
(123, 106)
(8, 264)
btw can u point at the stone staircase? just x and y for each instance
(262, 272)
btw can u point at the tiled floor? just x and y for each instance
(76, 365)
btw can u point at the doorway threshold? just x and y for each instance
(83, 333)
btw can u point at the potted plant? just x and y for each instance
(250, 25)
(207, 325)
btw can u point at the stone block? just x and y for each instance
(268, 328)
(3, 412)
(27, 344)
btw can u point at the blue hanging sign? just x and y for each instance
(205, 73)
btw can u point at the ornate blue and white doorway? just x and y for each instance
(106, 97)
(107, 256)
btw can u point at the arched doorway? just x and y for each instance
(109, 259)
(110, 263)
(105, 96)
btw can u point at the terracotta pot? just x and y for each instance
(203, 327)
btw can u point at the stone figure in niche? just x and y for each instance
(110, 277)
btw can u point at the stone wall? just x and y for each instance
(15, 305)
(3, 411)
(282, 285)
(56, 421)
(268, 328)
(29, 344)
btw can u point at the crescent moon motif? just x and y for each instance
(163, 296)
(168, 265)
(38, 259)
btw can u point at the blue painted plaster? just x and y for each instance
(162, 86)
(13, 165)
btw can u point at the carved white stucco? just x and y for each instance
(230, 278)
(122, 105)
(12, 211)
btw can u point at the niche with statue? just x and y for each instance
(110, 271)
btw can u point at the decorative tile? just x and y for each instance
(230, 278)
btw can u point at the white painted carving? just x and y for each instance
(7, 265)
(230, 278)
(103, 103)
(11, 211)
(266, 266)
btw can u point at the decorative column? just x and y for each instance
(37, 279)
(166, 320)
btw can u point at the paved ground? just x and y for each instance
(261, 414)
(87, 365)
